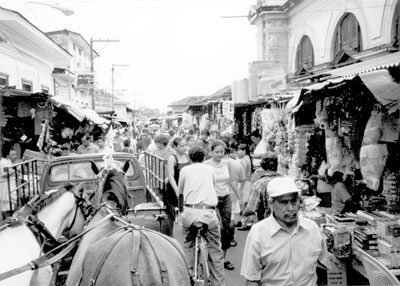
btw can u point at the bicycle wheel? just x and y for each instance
(202, 266)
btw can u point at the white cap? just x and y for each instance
(281, 186)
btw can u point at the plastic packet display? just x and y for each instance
(372, 162)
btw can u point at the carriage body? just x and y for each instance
(144, 204)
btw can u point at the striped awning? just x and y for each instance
(378, 63)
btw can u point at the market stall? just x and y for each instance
(352, 126)
(23, 113)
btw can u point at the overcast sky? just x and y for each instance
(174, 48)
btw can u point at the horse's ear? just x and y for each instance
(94, 168)
(126, 166)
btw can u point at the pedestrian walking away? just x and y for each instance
(197, 184)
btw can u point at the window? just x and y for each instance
(347, 36)
(304, 56)
(80, 51)
(26, 85)
(73, 46)
(45, 89)
(76, 171)
(3, 80)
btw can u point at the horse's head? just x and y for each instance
(82, 211)
(112, 185)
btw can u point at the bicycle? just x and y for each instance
(201, 270)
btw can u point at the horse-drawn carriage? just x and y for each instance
(109, 208)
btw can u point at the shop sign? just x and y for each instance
(84, 80)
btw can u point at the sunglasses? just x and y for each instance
(64, 148)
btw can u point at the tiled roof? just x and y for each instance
(190, 100)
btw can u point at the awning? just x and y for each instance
(382, 86)
(381, 62)
(76, 111)
(15, 92)
(93, 116)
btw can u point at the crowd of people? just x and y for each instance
(229, 183)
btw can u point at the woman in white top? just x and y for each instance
(223, 184)
(247, 165)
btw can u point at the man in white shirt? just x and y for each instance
(261, 148)
(197, 184)
(283, 249)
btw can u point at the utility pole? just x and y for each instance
(112, 83)
(92, 60)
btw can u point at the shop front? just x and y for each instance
(351, 126)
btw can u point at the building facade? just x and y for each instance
(76, 82)
(303, 41)
(28, 57)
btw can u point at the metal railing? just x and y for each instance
(155, 173)
(22, 182)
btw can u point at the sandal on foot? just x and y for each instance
(228, 265)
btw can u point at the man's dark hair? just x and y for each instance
(269, 161)
(205, 132)
(335, 178)
(256, 134)
(162, 139)
(196, 154)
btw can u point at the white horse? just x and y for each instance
(58, 210)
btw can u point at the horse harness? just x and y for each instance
(48, 243)
(42, 234)
(134, 263)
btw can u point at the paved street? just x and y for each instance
(232, 278)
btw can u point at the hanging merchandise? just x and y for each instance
(372, 162)
(43, 135)
(374, 129)
(256, 120)
(391, 187)
(299, 157)
(316, 150)
(391, 128)
(246, 124)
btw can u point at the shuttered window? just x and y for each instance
(348, 36)
(304, 55)
(27, 85)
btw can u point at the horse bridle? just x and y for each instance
(81, 203)
(37, 227)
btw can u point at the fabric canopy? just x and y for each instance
(76, 111)
(382, 86)
(93, 116)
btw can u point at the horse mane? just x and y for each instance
(115, 183)
(43, 200)
(35, 205)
